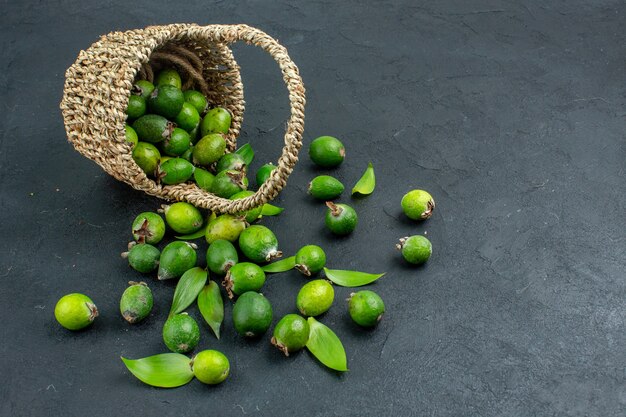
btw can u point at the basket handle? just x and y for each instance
(229, 34)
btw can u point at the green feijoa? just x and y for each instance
(341, 219)
(415, 249)
(183, 217)
(168, 77)
(209, 149)
(142, 257)
(216, 120)
(153, 128)
(147, 156)
(188, 118)
(366, 308)
(143, 88)
(229, 183)
(166, 100)
(210, 367)
(188, 154)
(418, 205)
(136, 107)
(310, 260)
(178, 142)
(252, 314)
(136, 302)
(243, 277)
(204, 179)
(264, 173)
(259, 244)
(252, 214)
(131, 135)
(230, 161)
(181, 333)
(221, 256)
(175, 171)
(291, 334)
(227, 227)
(75, 311)
(315, 297)
(176, 258)
(196, 99)
(325, 187)
(327, 151)
(148, 227)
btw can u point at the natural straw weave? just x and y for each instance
(98, 85)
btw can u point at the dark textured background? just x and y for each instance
(510, 113)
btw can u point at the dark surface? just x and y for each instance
(510, 113)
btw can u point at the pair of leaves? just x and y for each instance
(166, 370)
(211, 306)
(324, 344)
(350, 278)
(280, 266)
(367, 183)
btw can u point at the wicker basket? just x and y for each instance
(98, 85)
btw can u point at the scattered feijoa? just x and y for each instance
(327, 151)
(315, 297)
(183, 217)
(148, 227)
(366, 308)
(176, 258)
(252, 314)
(136, 302)
(259, 244)
(226, 226)
(181, 333)
(210, 367)
(341, 219)
(75, 311)
(325, 187)
(310, 259)
(142, 257)
(243, 277)
(415, 249)
(418, 205)
(221, 256)
(291, 334)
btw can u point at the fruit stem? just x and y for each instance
(334, 209)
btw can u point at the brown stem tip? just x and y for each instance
(93, 311)
(303, 269)
(430, 206)
(280, 346)
(335, 210)
(227, 283)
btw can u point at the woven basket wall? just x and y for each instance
(98, 85)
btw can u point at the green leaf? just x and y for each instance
(246, 152)
(167, 370)
(197, 235)
(350, 278)
(280, 266)
(270, 210)
(187, 289)
(211, 306)
(325, 346)
(367, 183)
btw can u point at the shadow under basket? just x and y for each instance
(98, 86)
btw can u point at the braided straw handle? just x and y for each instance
(98, 86)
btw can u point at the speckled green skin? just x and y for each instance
(416, 249)
(252, 314)
(183, 217)
(209, 149)
(136, 302)
(144, 258)
(366, 308)
(168, 76)
(153, 128)
(310, 259)
(259, 244)
(216, 120)
(147, 156)
(210, 367)
(75, 311)
(196, 99)
(136, 107)
(221, 256)
(291, 334)
(315, 297)
(228, 183)
(175, 171)
(230, 161)
(343, 222)
(325, 187)
(327, 151)
(166, 100)
(226, 226)
(188, 117)
(177, 144)
(181, 333)
(418, 205)
(264, 173)
(252, 214)
(176, 258)
(243, 277)
(148, 227)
